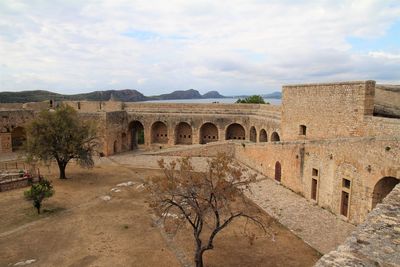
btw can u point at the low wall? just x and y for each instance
(13, 184)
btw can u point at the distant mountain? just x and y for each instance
(274, 95)
(126, 95)
(181, 94)
(41, 95)
(213, 94)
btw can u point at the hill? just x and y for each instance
(126, 95)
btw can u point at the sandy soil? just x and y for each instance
(81, 229)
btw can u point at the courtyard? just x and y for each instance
(100, 217)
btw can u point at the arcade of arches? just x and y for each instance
(183, 134)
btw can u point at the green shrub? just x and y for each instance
(38, 192)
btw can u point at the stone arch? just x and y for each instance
(208, 133)
(263, 136)
(235, 131)
(253, 134)
(382, 188)
(183, 133)
(278, 171)
(136, 131)
(275, 137)
(18, 138)
(159, 133)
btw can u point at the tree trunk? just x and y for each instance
(198, 259)
(61, 166)
(37, 206)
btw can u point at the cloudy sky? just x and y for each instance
(235, 46)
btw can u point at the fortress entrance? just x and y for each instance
(159, 133)
(382, 188)
(253, 134)
(208, 133)
(136, 131)
(18, 137)
(235, 131)
(278, 171)
(263, 136)
(183, 134)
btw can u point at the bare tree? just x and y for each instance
(209, 202)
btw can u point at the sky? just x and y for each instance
(234, 47)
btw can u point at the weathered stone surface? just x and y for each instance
(375, 242)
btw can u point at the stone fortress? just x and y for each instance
(336, 144)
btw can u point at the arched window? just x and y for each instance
(278, 171)
(263, 136)
(253, 134)
(275, 137)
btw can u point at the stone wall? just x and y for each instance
(376, 242)
(361, 161)
(326, 110)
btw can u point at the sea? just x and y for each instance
(272, 101)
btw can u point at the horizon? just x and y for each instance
(235, 48)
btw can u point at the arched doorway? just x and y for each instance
(235, 131)
(159, 133)
(183, 134)
(124, 142)
(208, 133)
(275, 137)
(278, 171)
(18, 138)
(136, 131)
(253, 134)
(115, 147)
(263, 136)
(382, 188)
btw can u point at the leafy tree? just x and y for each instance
(254, 99)
(39, 192)
(61, 135)
(208, 202)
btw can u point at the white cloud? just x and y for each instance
(157, 46)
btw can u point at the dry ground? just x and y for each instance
(81, 229)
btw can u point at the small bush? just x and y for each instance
(38, 192)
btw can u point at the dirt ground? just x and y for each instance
(79, 228)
